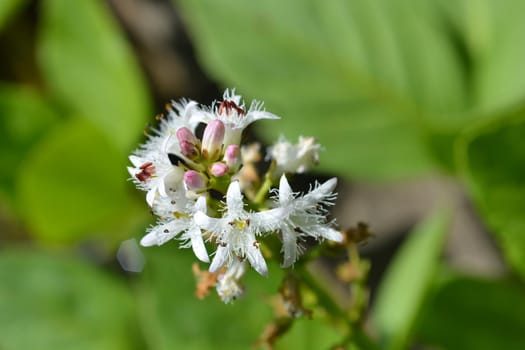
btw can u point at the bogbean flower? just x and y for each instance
(229, 285)
(208, 194)
(305, 217)
(294, 158)
(152, 170)
(233, 113)
(176, 218)
(236, 231)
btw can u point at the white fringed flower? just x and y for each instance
(305, 217)
(176, 213)
(232, 112)
(236, 231)
(229, 285)
(153, 172)
(294, 158)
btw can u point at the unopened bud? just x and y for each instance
(185, 134)
(194, 180)
(218, 169)
(213, 139)
(188, 143)
(232, 156)
(189, 150)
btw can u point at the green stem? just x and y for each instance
(353, 332)
(325, 299)
(266, 185)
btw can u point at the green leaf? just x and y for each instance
(8, 8)
(174, 318)
(492, 161)
(489, 31)
(58, 302)
(470, 313)
(359, 75)
(73, 183)
(91, 69)
(24, 118)
(407, 281)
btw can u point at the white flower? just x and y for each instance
(153, 172)
(176, 214)
(305, 217)
(182, 114)
(235, 233)
(229, 285)
(298, 158)
(232, 112)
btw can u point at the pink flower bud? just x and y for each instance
(185, 134)
(187, 143)
(194, 180)
(232, 156)
(189, 150)
(218, 169)
(213, 139)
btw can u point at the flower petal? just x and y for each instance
(256, 259)
(214, 225)
(150, 196)
(285, 191)
(234, 200)
(221, 255)
(268, 220)
(322, 192)
(197, 244)
(290, 249)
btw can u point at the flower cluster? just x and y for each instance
(207, 194)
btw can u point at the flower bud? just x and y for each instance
(189, 150)
(185, 134)
(188, 143)
(218, 169)
(213, 139)
(232, 156)
(194, 180)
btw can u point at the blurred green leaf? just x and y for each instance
(407, 281)
(52, 302)
(8, 8)
(90, 68)
(490, 31)
(175, 319)
(24, 118)
(361, 76)
(73, 183)
(492, 160)
(309, 335)
(468, 313)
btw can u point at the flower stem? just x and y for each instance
(353, 331)
(266, 185)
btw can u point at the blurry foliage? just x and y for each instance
(8, 8)
(392, 89)
(473, 313)
(493, 161)
(406, 284)
(60, 302)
